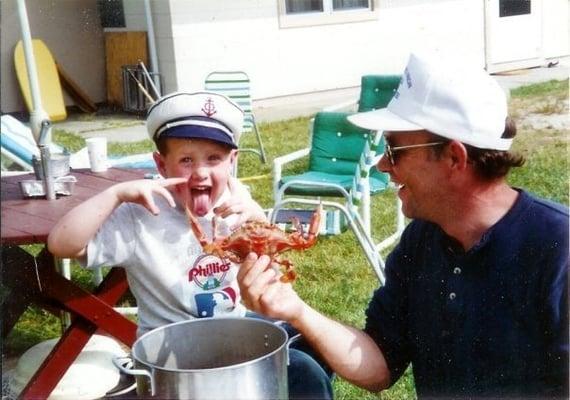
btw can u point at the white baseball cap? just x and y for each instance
(203, 115)
(458, 102)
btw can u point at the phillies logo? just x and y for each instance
(209, 107)
(208, 271)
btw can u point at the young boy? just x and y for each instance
(142, 225)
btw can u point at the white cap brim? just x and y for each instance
(383, 120)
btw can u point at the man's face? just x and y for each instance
(417, 173)
(206, 164)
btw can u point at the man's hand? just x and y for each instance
(263, 292)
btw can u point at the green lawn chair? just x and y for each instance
(342, 160)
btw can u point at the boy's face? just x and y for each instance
(206, 164)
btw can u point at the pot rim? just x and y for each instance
(208, 320)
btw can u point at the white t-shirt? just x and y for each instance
(168, 273)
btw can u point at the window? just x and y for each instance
(510, 8)
(112, 13)
(295, 13)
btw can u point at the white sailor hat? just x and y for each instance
(203, 115)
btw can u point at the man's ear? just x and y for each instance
(158, 160)
(457, 155)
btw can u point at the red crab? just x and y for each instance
(260, 238)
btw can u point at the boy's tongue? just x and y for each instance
(200, 202)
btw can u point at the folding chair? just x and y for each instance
(342, 160)
(19, 147)
(376, 91)
(236, 85)
(357, 194)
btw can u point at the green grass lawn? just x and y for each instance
(334, 276)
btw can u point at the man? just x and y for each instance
(476, 291)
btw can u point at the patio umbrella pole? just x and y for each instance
(39, 119)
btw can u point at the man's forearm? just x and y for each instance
(350, 352)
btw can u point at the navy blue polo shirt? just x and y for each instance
(492, 321)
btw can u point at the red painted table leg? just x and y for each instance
(95, 311)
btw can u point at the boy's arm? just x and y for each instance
(70, 236)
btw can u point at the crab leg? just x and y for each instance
(288, 270)
(314, 226)
(297, 224)
(196, 228)
(214, 228)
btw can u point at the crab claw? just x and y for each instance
(287, 271)
(288, 276)
(195, 225)
(315, 223)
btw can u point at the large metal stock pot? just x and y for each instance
(212, 358)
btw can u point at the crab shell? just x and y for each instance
(260, 238)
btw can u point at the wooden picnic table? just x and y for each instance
(36, 279)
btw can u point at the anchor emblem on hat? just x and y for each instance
(209, 107)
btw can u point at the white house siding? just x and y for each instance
(72, 31)
(245, 35)
(135, 19)
(194, 37)
(556, 28)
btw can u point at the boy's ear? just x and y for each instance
(233, 156)
(159, 163)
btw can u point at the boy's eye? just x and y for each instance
(214, 157)
(185, 160)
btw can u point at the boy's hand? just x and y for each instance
(141, 192)
(241, 204)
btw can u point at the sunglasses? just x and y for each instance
(390, 151)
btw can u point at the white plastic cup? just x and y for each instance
(97, 149)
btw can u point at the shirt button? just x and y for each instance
(339, 134)
(333, 159)
(452, 296)
(456, 270)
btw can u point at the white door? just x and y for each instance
(513, 34)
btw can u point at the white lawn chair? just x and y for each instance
(236, 85)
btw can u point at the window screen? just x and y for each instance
(112, 13)
(303, 6)
(348, 4)
(509, 8)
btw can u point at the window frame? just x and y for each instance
(326, 17)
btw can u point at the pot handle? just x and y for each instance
(291, 340)
(120, 363)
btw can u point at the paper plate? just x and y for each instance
(90, 376)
